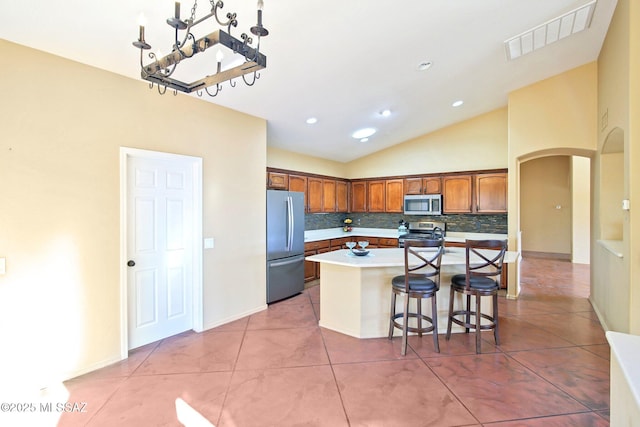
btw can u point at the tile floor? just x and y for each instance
(278, 368)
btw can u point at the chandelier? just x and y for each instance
(160, 70)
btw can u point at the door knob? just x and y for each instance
(131, 263)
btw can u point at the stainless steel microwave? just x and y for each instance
(423, 204)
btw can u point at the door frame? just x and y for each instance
(197, 295)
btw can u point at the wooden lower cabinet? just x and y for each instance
(312, 269)
(384, 242)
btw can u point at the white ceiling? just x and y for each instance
(342, 61)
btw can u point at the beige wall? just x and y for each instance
(545, 205)
(59, 215)
(282, 159)
(475, 144)
(615, 284)
(556, 116)
(581, 210)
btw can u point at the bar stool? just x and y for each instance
(484, 260)
(421, 280)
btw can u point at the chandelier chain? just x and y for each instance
(193, 10)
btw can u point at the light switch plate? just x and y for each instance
(208, 243)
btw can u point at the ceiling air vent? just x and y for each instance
(551, 31)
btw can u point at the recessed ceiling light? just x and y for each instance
(385, 113)
(457, 103)
(312, 120)
(363, 133)
(425, 65)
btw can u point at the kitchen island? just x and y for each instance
(355, 292)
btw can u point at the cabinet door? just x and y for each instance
(310, 267)
(413, 186)
(277, 181)
(328, 195)
(456, 194)
(320, 251)
(342, 196)
(384, 242)
(394, 195)
(376, 191)
(299, 183)
(359, 196)
(430, 185)
(314, 187)
(491, 193)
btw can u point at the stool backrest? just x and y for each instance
(484, 259)
(428, 261)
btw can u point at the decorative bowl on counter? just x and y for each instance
(360, 252)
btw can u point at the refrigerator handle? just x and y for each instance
(291, 223)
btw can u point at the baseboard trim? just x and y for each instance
(546, 255)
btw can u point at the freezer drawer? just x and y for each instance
(285, 277)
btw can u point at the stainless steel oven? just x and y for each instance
(423, 230)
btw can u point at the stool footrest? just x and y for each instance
(411, 328)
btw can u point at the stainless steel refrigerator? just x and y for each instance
(285, 244)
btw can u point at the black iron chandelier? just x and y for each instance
(159, 72)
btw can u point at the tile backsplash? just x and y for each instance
(459, 222)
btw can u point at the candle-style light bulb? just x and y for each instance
(141, 43)
(177, 10)
(142, 20)
(258, 29)
(219, 58)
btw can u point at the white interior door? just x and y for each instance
(160, 232)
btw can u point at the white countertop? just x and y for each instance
(336, 233)
(626, 348)
(392, 257)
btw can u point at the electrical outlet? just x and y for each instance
(208, 243)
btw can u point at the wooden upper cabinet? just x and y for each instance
(328, 195)
(394, 195)
(359, 196)
(299, 183)
(413, 186)
(342, 196)
(491, 193)
(277, 181)
(314, 190)
(431, 185)
(456, 194)
(375, 194)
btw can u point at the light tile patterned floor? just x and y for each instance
(278, 368)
